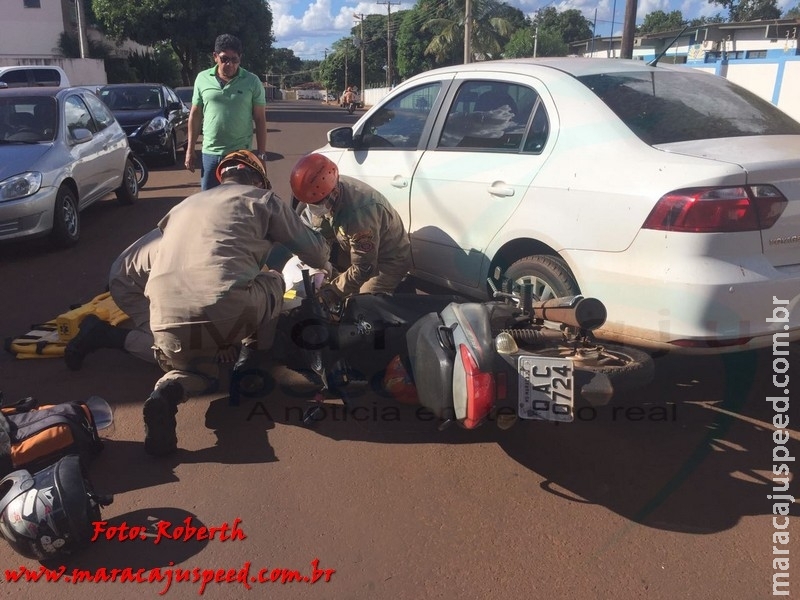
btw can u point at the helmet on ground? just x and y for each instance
(313, 178)
(49, 515)
(242, 159)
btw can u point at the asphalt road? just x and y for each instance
(662, 496)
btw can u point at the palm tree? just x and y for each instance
(491, 30)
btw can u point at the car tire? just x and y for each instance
(549, 274)
(128, 192)
(66, 219)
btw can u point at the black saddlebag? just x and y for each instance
(431, 359)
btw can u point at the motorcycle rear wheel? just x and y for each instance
(627, 368)
(142, 172)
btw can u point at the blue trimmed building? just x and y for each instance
(761, 56)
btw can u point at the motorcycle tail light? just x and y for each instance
(480, 389)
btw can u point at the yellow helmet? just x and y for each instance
(241, 159)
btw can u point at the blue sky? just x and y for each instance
(310, 27)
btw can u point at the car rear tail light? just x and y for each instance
(711, 210)
(480, 387)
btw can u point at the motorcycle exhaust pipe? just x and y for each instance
(573, 311)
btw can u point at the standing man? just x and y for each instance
(227, 100)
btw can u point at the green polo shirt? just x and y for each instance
(227, 111)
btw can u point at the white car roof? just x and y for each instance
(575, 66)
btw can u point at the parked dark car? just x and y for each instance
(185, 94)
(153, 117)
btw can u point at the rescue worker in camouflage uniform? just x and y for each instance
(126, 282)
(208, 288)
(376, 254)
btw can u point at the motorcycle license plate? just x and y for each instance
(546, 386)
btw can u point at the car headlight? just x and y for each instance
(157, 124)
(19, 186)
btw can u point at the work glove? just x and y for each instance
(329, 297)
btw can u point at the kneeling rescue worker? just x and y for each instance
(369, 231)
(207, 289)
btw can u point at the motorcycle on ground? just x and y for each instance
(508, 359)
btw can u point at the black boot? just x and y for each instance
(93, 334)
(247, 376)
(159, 413)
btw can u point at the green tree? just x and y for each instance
(284, 69)
(658, 21)
(372, 34)
(549, 43)
(718, 18)
(412, 40)
(570, 24)
(749, 10)
(342, 67)
(793, 13)
(191, 27)
(491, 31)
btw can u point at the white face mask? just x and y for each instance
(319, 210)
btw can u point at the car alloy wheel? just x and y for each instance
(66, 218)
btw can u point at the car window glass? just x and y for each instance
(488, 115)
(16, 78)
(171, 97)
(101, 114)
(77, 115)
(46, 77)
(539, 129)
(399, 123)
(671, 106)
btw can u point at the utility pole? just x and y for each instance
(628, 30)
(361, 44)
(613, 24)
(388, 4)
(81, 30)
(468, 32)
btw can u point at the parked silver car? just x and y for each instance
(60, 151)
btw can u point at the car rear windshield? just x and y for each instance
(670, 106)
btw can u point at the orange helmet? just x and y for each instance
(313, 178)
(241, 159)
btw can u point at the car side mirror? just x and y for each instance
(80, 135)
(341, 137)
(175, 106)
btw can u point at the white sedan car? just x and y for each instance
(670, 194)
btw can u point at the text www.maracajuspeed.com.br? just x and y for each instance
(171, 575)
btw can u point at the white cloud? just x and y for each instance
(310, 28)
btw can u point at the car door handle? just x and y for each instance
(498, 189)
(400, 182)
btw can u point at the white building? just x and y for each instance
(761, 56)
(30, 32)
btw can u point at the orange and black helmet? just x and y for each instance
(242, 159)
(313, 178)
